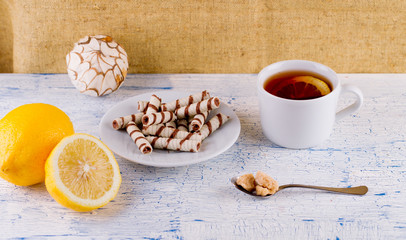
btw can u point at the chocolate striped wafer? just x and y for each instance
(197, 121)
(174, 144)
(139, 139)
(157, 118)
(182, 125)
(142, 106)
(121, 122)
(213, 124)
(199, 107)
(198, 97)
(153, 105)
(171, 124)
(169, 132)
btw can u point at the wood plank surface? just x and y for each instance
(198, 201)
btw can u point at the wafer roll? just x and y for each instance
(142, 106)
(174, 144)
(157, 118)
(139, 139)
(182, 125)
(197, 122)
(198, 97)
(121, 122)
(213, 124)
(171, 124)
(199, 107)
(156, 125)
(153, 105)
(168, 132)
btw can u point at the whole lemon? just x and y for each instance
(27, 136)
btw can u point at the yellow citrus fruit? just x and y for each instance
(82, 173)
(301, 87)
(27, 136)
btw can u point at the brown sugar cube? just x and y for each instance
(263, 180)
(247, 181)
(262, 191)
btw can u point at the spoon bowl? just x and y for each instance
(360, 190)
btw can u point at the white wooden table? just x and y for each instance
(198, 201)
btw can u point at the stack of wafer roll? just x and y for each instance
(180, 125)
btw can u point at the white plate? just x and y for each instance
(120, 142)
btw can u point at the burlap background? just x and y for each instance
(223, 36)
(6, 39)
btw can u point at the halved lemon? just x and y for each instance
(81, 173)
(301, 87)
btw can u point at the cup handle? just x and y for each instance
(353, 107)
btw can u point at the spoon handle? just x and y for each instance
(360, 190)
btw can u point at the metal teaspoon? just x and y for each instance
(360, 190)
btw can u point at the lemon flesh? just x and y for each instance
(82, 173)
(301, 87)
(320, 85)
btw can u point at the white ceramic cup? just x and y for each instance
(302, 123)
